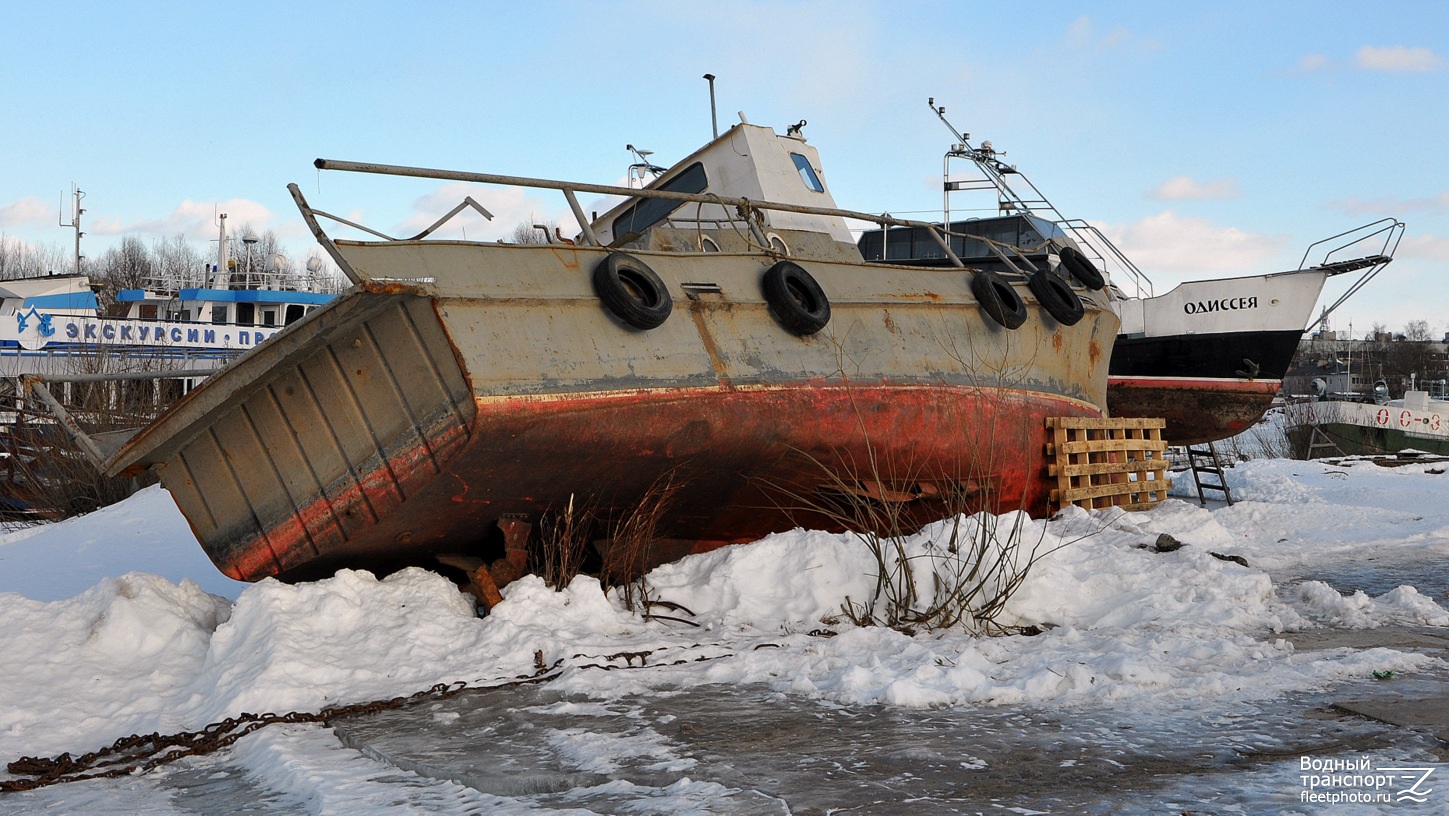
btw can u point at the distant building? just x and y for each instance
(1353, 366)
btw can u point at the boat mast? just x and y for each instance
(219, 279)
(75, 222)
(993, 174)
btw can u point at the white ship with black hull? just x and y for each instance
(1207, 356)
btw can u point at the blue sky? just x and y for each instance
(1210, 139)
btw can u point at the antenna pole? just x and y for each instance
(221, 278)
(75, 222)
(713, 115)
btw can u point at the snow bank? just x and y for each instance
(1123, 621)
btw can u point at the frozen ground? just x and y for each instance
(1163, 682)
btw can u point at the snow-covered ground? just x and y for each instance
(115, 623)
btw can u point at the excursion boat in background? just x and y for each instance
(1416, 424)
(717, 333)
(1208, 356)
(53, 325)
(108, 370)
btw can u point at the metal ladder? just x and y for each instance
(1211, 464)
(1318, 440)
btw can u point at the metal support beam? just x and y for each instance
(87, 445)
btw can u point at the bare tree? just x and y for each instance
(275, 261)
(1417, 330)
(19, 259)
(178, 264)
(128, 265)
(526, 232)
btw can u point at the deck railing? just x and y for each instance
(746, 208)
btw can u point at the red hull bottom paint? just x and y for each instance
(737, 455)
(1197, 410)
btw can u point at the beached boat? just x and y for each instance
(718, 330)
(1417, 423)
(1208, 356)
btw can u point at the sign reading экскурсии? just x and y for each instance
(35, 330)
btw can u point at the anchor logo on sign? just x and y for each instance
(42, 331)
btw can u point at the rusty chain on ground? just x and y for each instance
(140, 753)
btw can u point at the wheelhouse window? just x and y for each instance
(807, 173)
(647, 212)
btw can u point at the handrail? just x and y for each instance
(1392, 229)
(1139, 278)
(993, 173)
(743, 205)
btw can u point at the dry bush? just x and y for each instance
(47, 469)
(626, 556)
(564, 540)
(577, 540)
(962, 576)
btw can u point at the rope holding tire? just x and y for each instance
(1082, 268)
(795, 298)
(999, 301)
(1056, 297)
(631, 291)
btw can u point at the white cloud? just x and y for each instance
(102, 225)
(1079, 33)
(1184, 188)
(1392, 204)
(197, 220)
(1397, 58)
(1432, 247)
(510, 207)
(1082, 33)
(1193, 247)
(30, 210)
(1311, 63)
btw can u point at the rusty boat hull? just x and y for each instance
(403, 421)
(718, 333)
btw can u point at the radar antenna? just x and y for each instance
(643, 170)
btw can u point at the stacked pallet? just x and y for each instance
(1102, 462)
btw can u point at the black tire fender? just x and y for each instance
(1056, 297)
(631, 291)
(1082, 268)
(795, 298)
(999, 300)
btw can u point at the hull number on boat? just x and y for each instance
(1220, 305)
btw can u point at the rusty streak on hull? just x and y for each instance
(1197, 410)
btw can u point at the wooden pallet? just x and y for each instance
(1107, 462)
